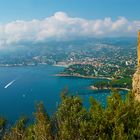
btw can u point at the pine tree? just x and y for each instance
(17, 132)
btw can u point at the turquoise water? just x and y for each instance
(22, 87)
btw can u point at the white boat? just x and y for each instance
(9, 84)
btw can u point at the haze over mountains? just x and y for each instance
(62, 26)
(51, 52)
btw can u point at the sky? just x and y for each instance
(90, 9)
(40, 20)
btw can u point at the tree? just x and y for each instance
(41, 129)
(120, 119)
(2, 126)
(17, 132)
(71, 116)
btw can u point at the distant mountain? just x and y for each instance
(59, 50)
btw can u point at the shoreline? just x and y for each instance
(23, 65)
(82, 76)
(20, 65)
(64, 66)
(105, 88)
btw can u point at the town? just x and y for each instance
(107, 57)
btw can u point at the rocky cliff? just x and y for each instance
(136, 77)
(136, 84)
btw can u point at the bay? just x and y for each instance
(22, 87)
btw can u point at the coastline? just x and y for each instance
(105, 88)
(64, 66)
(19, 65)
(22, 65)
(82, 76)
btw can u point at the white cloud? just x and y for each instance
(62, 26)
(119, 24)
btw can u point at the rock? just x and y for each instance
(136, 84)
(136, 76)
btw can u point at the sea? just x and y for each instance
(21, 88)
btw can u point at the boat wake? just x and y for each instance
(9, 84)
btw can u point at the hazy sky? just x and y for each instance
(39, 20)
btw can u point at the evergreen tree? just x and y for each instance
(17, 132)
(41, 129)
(70, 117)
(2, 126)
(119, 120)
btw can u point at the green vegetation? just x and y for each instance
(109, 71)
(121, 78)
(79, 69)
(115, 83)
(120, 120)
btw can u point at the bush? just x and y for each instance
(120, 120)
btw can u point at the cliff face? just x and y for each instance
(136, 77)
(136, 84)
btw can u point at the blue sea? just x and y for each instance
(22, 87)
